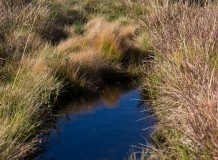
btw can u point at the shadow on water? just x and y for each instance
(104, 127)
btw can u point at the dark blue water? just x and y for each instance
(105, 129)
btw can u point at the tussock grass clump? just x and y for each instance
(36, 65)
(82, 71)
(86, 60)
(25, 93)
(116, 41)
(21, 23)
(32, 24)
(183, 84)
(108, 38)
(24, 101)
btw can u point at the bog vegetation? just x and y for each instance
(50, 48)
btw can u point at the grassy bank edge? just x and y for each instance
(36, 69)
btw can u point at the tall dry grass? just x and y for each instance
(183, 83)
(31, 79)
(22, 22)
(35, 22)
(101, 53)
(24, 102)
(35, 67)
(26, 92)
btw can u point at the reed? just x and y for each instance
(183, 83)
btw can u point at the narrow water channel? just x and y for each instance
(103, 129)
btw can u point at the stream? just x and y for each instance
(106, 128)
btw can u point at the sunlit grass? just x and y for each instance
(49, 46)
(23, 104)
(183, 83)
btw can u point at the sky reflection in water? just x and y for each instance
(102, 129)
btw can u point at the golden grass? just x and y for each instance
(35, 67)
(112, 39)
(26, 85)
(21, 110)
(182, 83)
(102, 49)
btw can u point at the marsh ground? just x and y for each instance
(48, 49)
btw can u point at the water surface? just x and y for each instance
(103, 129)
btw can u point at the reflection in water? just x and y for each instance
(109, 96)
(101, 129)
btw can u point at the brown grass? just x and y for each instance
(183, 83)
(102, 50)
(21, 23)
(36, 65)
(113, 39)
(21, 110)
